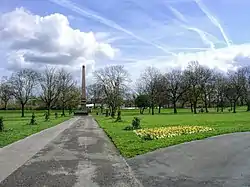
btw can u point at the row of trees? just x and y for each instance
(196, 87)
(52, 87)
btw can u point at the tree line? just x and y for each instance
(52, 87)
(196, 87)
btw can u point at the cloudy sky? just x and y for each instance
(136, 33)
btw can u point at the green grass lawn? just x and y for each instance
(131, 145)
(17, 128)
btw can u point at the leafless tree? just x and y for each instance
(149, 85)
(161, 91)
(23, 83)
(207, 82)
(235, 86)
(245, 95)
(75, 97)
(219, 90)
(94, 93)
(66, 83)
(5, 92)
(50, 87)
(193, 76)
(176, 86)
(113, 83)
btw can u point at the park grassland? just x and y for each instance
(16, 127)
(130, 145)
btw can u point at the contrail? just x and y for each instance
(213, 20)
(177, 14)
(91, 14)
(201, 33)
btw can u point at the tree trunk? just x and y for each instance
(175, 109)
(195, 107)
(159, 110)
(234, 107)
(205, 103)
(248, 106)
(209, 101)
(5, 105)
(153, 111)
(192, 108)
(222, 106)
(101, 108)
(48, 109)
(94, 106)
(231, 105)
(63, 110)
(113, 112)
(22, 106)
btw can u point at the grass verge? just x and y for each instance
(17, 128)
(130, 145)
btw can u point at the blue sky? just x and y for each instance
(162, 33)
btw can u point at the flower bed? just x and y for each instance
(166, 132)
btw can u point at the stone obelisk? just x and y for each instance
(84, 110)
(83, 101)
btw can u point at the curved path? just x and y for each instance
(80, 156)
(218, 161)
(77, 153)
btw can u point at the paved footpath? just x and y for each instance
(221, 161)
(80, 156)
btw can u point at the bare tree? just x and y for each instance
(50, 86)
(67, 84)
(23, 83)
(112, 81)
(148, 85)
(207, 81)
(94, 93)
(75, 96)
(161, 91)
(193, 76)
(176, 86)
(219, 90)
(5, 93)
(235, 86)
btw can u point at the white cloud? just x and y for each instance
(30, 40)
(228, 58)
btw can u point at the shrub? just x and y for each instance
(46, 116)
(119, 118)
(97, 113)
(56, 115)
(136, 123)
(33, 119)
(1, 124)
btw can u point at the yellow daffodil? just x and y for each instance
(163, 132)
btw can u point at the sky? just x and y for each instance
(166, 34)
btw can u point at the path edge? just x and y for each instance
(18, 153)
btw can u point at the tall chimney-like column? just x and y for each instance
(83, 102)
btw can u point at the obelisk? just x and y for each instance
(83, 110)
(83, 101)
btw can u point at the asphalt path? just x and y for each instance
(81, 156)
(217, 161)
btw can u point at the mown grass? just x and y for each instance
(131, 145)
(17, 128)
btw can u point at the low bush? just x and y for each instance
(1, 124)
